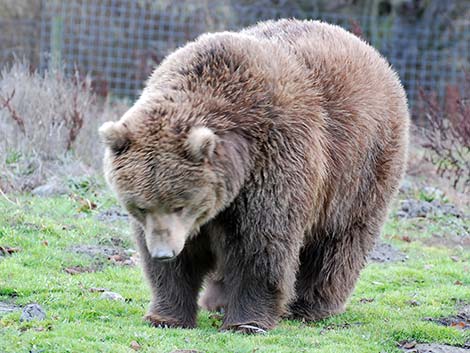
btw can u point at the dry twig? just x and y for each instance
(6, 104)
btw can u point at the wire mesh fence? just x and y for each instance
(119, 42)
(18, 39)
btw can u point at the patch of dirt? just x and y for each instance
(460, 321)
(413, 347)
(6, 308)
(411, 208)
(383, 252)
(344, 326)
(112, 215)
(115, 255)
(449, 242)
(96, 250)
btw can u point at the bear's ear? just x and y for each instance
(115, 136)
(201, 143)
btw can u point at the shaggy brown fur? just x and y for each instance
(312, 128)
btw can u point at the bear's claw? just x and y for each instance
(158, 321)
(249, 329)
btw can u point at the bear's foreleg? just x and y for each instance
(175, 284)
(259, 275)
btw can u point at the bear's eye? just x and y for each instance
(177, 210)
(138, 211)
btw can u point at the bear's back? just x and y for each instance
(347, 71)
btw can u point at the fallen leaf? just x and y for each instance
(85, 204)
(75, 270)
(216, 316)
(413, 302)
(116, 258)
(405, 238)
(459, 324)
(409, 345)
(135, 346)
(366, 300)
(8, 250)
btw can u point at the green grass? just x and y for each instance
(79, 321)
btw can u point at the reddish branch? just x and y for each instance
(76, 120)
(6, 104)
(448, 134)
(76, 116)
(356, 29)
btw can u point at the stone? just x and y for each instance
(32, 312)
(111, 296)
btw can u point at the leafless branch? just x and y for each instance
(6, 104)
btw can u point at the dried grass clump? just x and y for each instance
(48, 121)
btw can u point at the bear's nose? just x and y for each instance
(163, 254)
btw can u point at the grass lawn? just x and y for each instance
(390, 304)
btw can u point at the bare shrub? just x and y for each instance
(46, 121)
(447, 136)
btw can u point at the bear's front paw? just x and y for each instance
(249, 329)
(159, 321)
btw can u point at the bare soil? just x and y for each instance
(383, 252)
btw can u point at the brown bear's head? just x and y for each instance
(163, 176)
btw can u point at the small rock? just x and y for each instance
(432, 192)
(52, 188)
(98, 290)
(406, 186)
(32, 312)
(383, 252)
(111, 296)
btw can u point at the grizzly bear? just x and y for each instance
(261, 162)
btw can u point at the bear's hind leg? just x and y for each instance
(329, 269)
(213, 297)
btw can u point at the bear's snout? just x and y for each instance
(163, 254)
